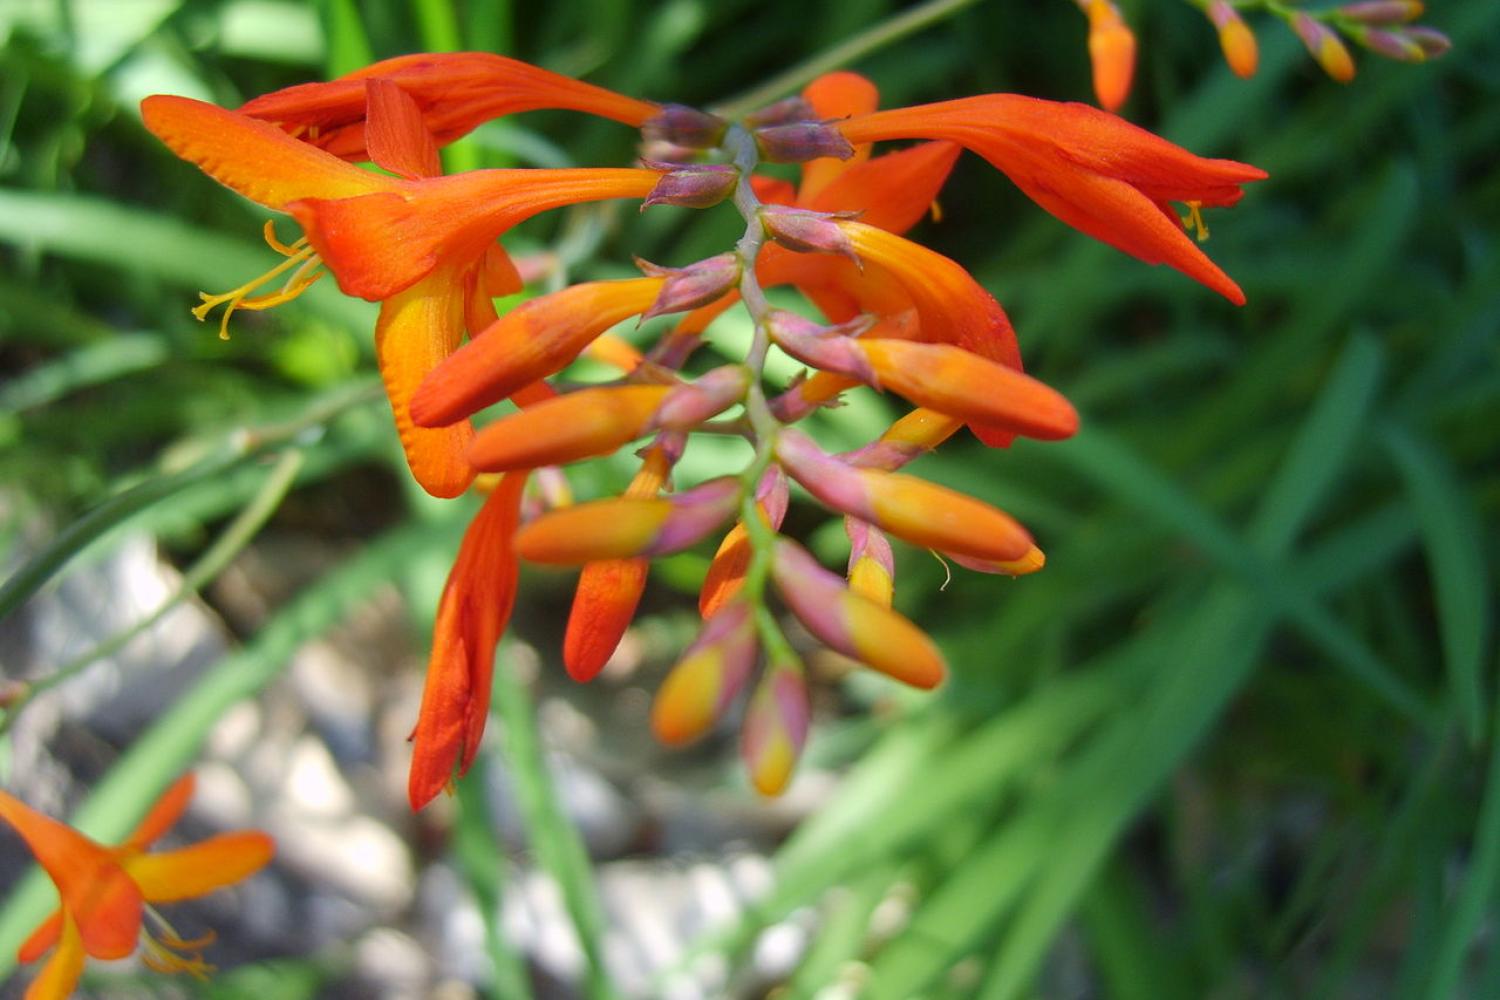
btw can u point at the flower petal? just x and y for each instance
(167, 810)
(836, 95)
(417, 330)
(397, 136)
(42, 938)
(892, 192)
(199, 869)
(60, 974)
(258, 160)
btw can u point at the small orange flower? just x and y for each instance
(472, 615)
(1094, 171)
(106, 892)
(567, 428)
(1111, 52)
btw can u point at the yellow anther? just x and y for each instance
(299, 256)
(936, 210)
(1194, 220)
(170, 953)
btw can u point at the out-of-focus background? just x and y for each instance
(1237, 739)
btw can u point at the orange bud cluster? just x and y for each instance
(883, 312)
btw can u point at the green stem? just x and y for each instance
(847, 51)
(246, 525)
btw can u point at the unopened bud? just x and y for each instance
(775, 729)
(690, 287)
(783, 112)
(872, 565)
(1111, 53)
(1390, 44)
(705, 681)
(687, 406)
(680, 125)
(1432, 41)
(697, 185)
(829, 348)
(1235, 38)
(628, 527)
(1326, 47)
(808, 232)
(1383, 11)
(802, 141)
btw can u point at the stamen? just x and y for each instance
(936, 210)
(298, 255)
(269, 232)
(1194, 220)
(165, 954)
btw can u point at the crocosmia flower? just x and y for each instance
(108, 895)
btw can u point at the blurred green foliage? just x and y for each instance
(1238, 738)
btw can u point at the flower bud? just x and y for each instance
(872, 565)
(783, 112)
(695, 185)
(1395, 45)
(802, 141)
(705, 681)
(609, 590)
(680, 125)
(1030, 562)
(1432, 41)
(625, 527)
(775, 728)
(687, 406)
(690, 287)
(1383, 11)
(1235, 38)
(727, 571)
(912, 509)
(1325, 46)
(830, 348)
(1112, 53)
(853, 625)
(915, 434)
(807, 232)
(567, 428)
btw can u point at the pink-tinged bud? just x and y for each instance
(872, 565)
(689, 287)
(534, 340)
(853, 625)
(610, 590)
(1235, 38)
(1325, 46)
(775, 728)
(1432, 41)
(829, 348)
(1111, 52)
(783, 112)
(955, 382)
(707, 678)
(1395, 45)
(1032, 561)
(727, 571)
(680, 125)
(1383, 11)
(696, 185)
(807, 232)
(628, 527)
(912, 436)
(687, 406)
(802, 141)
(912, 509)
(567, 428)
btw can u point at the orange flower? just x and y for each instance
(423, 246)
(1094, 171)
(106, 892)
(472, 615)
(455, 92)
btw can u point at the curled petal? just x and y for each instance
(398, 138)
(536, 339)
(628, 527)
(60, 975)
(43, 938)
(472, 615)
(567, 428)
(456, 92)
(707, 677)
(775, 730)
(165, 812)
(853, 625)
